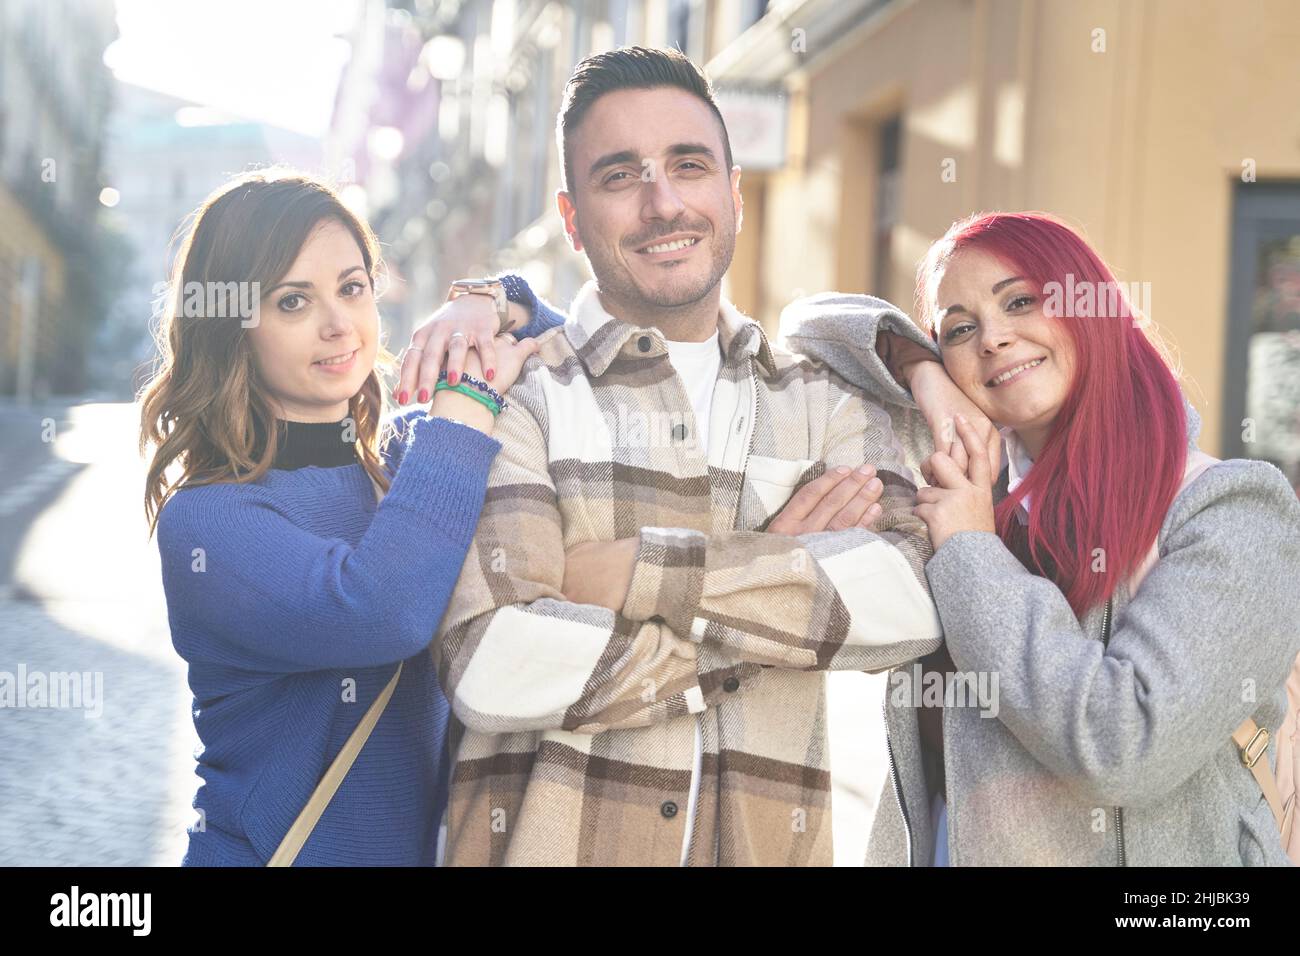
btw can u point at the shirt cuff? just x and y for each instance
(965, 550)
(667, 578)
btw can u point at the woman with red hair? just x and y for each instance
(1108, 740)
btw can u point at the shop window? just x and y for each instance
(1262, 384)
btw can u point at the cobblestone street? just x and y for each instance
(109, 783)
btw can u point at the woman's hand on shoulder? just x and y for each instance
(435, 345)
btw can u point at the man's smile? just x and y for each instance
(674, 246)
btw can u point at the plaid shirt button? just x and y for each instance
(643, 343)
(731, 685)
(669, 809)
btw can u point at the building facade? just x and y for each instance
(54, 97)
(163, 156)
(1165, 130)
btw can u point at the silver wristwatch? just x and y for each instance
(488, 287)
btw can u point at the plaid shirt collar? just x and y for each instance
(598, 337)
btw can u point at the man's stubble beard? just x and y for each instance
(614, 280)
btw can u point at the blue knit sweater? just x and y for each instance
(292, 599)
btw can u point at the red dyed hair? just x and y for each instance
(1115, 457)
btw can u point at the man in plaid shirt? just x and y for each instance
(636, 652)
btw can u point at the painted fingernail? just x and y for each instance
(451, 377)
(402, 396)
(490, 373)
(424, 395)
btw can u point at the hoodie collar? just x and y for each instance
(599, 338)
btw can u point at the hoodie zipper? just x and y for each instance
(893, 776)
(1119, 811)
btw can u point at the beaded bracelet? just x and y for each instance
(492, 406)
(466, 390)
(479, 384)
(485, 388)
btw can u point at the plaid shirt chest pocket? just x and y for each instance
(770, 482)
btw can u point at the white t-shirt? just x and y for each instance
(853, 699)
(697, 364)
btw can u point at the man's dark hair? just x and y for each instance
(628, 68)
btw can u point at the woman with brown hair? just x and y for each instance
(299, 603)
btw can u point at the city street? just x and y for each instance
(80, 593)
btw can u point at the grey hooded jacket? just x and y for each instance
(1104, 754)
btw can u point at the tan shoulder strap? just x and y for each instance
(293, 841)
(1252, 741)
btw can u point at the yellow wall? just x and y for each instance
(21, 237)
(1138, 146)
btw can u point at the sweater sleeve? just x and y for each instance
(845, 332)
(544, 316)
(857, 337)
(1210, 635)
(237, 566)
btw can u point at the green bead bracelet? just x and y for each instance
(473, 393)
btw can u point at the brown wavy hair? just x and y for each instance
(205, 408)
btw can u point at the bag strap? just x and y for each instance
(1251, 740)
(301, 829)
(293, 840)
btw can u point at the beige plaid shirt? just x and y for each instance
(577, 731)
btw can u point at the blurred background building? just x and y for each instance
(56, 266)
(163, 156)
(1166, 130)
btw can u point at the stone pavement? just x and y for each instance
(80, 592)
(84, 790)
